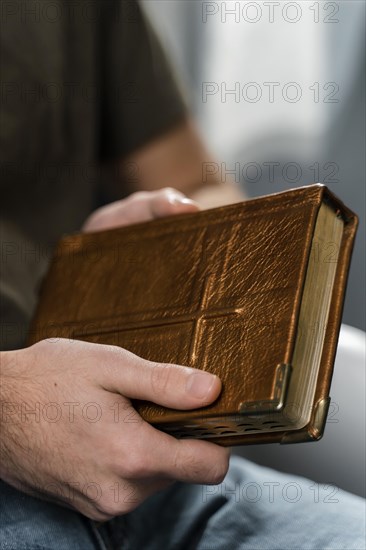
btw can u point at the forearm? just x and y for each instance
(179, 159)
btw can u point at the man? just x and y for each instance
(85, 84)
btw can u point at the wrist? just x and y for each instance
(9, 410)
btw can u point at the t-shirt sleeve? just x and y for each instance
(139, 96)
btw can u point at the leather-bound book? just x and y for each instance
(252, 292)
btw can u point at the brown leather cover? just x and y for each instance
(218, 290)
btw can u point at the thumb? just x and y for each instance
(166, 384)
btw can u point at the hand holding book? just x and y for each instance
(69, 431)
(239, 291)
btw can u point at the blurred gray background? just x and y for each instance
(319, 47)
(295, 116)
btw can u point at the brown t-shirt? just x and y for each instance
(83, 82)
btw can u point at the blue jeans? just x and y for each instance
(254, 508)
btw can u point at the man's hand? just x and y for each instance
(139, 207)
(70, 434)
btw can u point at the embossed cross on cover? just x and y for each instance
(252, 292)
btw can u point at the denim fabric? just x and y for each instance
(254, 508)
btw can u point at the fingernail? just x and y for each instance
(199, 384)
(185, 200)
(177, 199)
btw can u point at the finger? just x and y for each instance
(193, 461)
(140, 207)
(166, 384)
(155, 454)
(169, 201)
(144, 206)
(133, 209)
